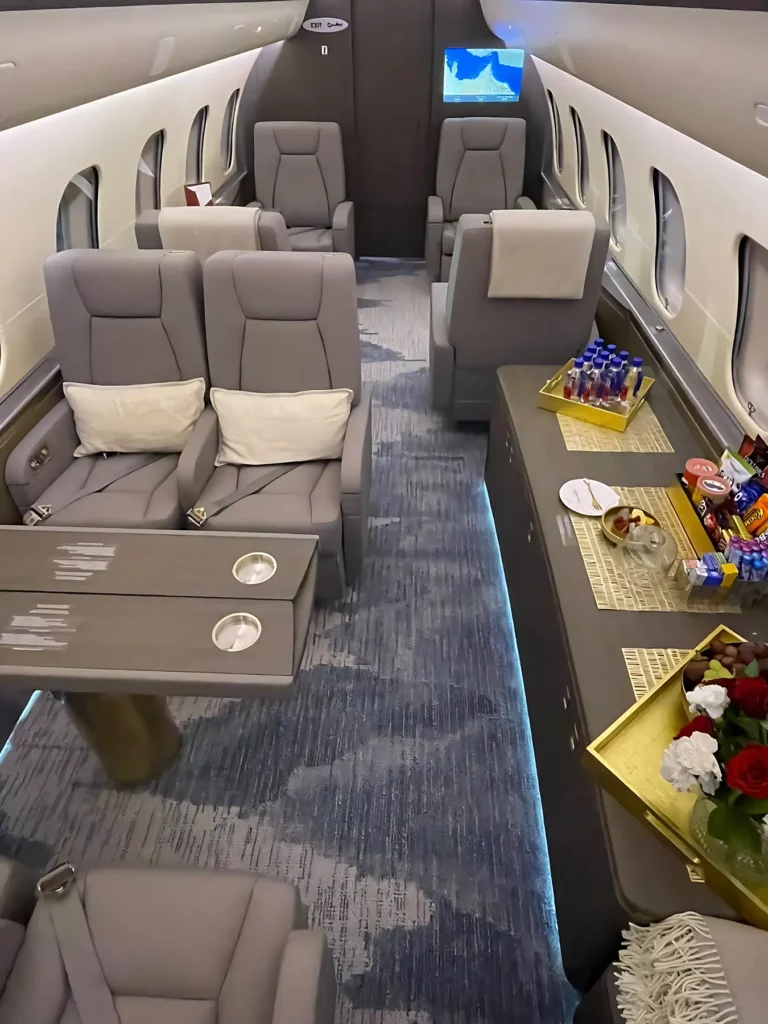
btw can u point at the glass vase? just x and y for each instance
(749, 868)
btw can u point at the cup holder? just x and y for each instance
(256, 567)
(236, 632)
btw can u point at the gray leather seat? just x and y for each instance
(208, 229)
(298, 169)
(175, 945)
(472, 335)
(287, 322)
(480, 168)
(118, 318)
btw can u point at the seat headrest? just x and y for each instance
(540, 254)
(274, 285)
(208, 229)
(298, 138)
(113, 283)
(483, 132)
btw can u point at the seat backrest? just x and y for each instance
(127, 317)
(480, 164)
(487, 333)
(298, 169)
(204, 230)
(282, 322)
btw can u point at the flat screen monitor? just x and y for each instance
(482, 76)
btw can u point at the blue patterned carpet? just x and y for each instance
(396, 786)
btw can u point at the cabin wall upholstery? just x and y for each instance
(722, 201)
(39, 158)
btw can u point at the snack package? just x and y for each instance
(736, 468)
(755, 454)
(756, 520)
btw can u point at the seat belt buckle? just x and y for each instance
(56, 881)
(36, 514)
(197, 516)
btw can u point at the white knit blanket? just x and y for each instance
(670, 973)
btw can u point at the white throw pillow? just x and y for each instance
(135, 417)
(263, 430)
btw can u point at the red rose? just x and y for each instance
(747, 771)
(701, 723)
(750, 695)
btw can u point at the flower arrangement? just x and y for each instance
(723, 750)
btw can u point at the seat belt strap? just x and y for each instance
(200, 515)
(120, 468)
(90, 991)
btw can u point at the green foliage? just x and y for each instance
(752, 670)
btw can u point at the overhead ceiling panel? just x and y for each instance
(51, 60)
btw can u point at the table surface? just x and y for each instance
(596, 638)
(135, 610)
(159, 563)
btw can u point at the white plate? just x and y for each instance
(575, 495)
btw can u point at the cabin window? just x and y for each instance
(582, 157)
(670, 244)
(228, 130)
(557, 132)
(77, 224)
(750, 367)
(194, 170)
(617, 191)
(148, 194)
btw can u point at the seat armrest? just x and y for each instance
(524, 203)
(441, 353)
(254, 205)
(54, 432)
(356, 458)
(344, 228)
(306, 984)
(196, 462)
(435, 214)
(433, 243)
(273, 234)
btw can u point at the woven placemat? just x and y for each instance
(618, 583)
(644, 434)
(647, 666)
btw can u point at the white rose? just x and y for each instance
(710, 699)
(691, 760)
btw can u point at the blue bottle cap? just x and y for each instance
(616, 363)
(578, 363)
(611, 348)
(637, 361)
(599, 362)
(624, 354)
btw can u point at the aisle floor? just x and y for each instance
(396, 787)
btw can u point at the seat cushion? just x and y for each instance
(144, 499)
(177, 946)
(449, 238)
(311, 239)
(305, 500)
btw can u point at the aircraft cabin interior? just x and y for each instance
(383, 512)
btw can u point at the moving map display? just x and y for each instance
(482, 76)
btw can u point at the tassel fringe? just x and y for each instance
(670, 973)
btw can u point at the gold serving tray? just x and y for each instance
(551, 397)
(626, 761)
